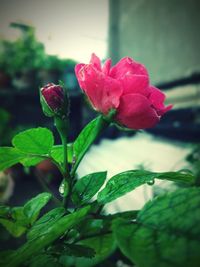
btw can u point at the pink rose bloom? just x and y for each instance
(124, 87)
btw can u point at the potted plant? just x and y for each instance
(27, 56)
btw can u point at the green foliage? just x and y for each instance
(4, 255)
(77, 251)
(125, 182)
(166, 232)
(86, 187)
(32, 207)
(194, 160)
(103, 245)
(18, 220)
(30, 160)
(52, 233)
(26, 53)
(52, 62)
(15, 222)
(5, 128)
(42, 225)
(42, 260)
(31, 147)
(86, 138)
(57, 153)
(38, 141)
(92, 227)
(4, 210)
(128, 215)
(9, 156)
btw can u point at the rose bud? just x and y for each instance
(53, 100)
(124, 87)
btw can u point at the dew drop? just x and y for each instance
(185, 171)
(151, 182)
(63, 189)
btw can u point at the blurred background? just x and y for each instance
(41, 41)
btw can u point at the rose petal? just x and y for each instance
(135, 112)
(134, 84)
(103, 92)
(106, 66)
(95, 61)
(127, 66)
(157, 99)
(79, 74)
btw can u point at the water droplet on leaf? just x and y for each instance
(151, 182)
(64, 189)
(185, 171)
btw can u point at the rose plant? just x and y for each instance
(77, 231)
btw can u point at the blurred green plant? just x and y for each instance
(5, 129)
(26, 56)
(194, 160)
(26, 52)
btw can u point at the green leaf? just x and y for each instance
(92, 227)
(166, 232)
(42, 225)
(9, 156)
(57, 153)
(16, 222)
(42, 260)
(38, 141)
(128, 215)
(4, 211)
(184, 176)
(78, 251)
(4, 255)
(102, 225)
(125, 182)
(53, 232)
(87, 137)
(103, 245)
(32, 207)
(14, 228)
(31, 161)
(18, 219)
(86, 187)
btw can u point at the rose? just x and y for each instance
(52, 98)
(124, 87)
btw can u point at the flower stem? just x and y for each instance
(62, 125)
(65, 166)
(66, 173)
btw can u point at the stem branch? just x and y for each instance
(62, 126)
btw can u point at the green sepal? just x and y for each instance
(45, 107)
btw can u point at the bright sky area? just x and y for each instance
(68, 28)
